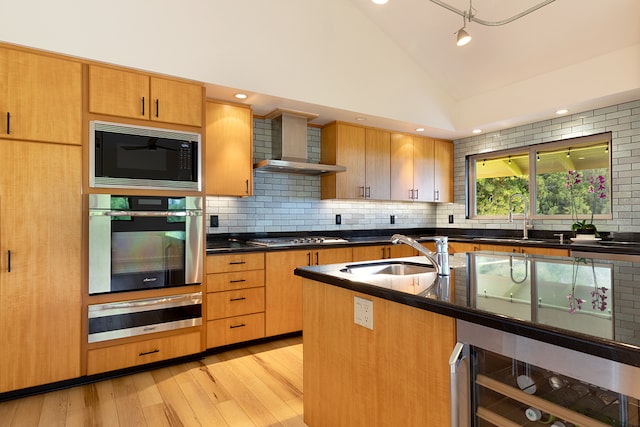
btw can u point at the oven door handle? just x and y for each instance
(146, 213)
(197, 298)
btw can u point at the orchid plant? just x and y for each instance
(598, 191)
(598, 294)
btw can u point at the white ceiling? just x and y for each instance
(557, 36)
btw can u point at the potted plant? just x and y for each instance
(597, 191)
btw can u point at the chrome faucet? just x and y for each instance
(525, 220)
(439, 259)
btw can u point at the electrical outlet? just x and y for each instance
(213, 221)
(363, 312)
(338, 219)
(393, 219)
(450, 219)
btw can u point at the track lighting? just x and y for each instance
(569, 152)
(463, 37)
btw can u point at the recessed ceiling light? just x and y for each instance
(477, 131)
(380, 1)
(241, 95)
(419, 129)
(360, 119)
(562, 111)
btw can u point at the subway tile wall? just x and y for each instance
(623, 120)
(291, 202)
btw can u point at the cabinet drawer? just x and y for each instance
(235, 303)
(235, 262)
(138, 353)
(235, 329)
(236, 280)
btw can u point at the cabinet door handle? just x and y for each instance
(8, 261)
(317, 258)
(368, 194)
(388, 252)
(437, 195)
(383, 257)
(237, 299)
(411, 194)
(236, 262)
(309, 258)
(241, 325)
(237, 281)
(8, 123)
(149, 352)
(246, 184)
(157, 108)
(417, 194)
(362, 191)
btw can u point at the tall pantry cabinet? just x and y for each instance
(40, 219)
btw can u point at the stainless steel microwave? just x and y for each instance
(126, 156)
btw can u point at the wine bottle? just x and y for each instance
(535, 414)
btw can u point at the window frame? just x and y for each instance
(531, 150)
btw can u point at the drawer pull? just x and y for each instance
(237, 281)
(237, 262)
(241, 325)
(150, 352)
(237, 299)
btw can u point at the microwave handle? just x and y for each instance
(460, 352)
(145, 213)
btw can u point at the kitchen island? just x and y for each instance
(414, 328)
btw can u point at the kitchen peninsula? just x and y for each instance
(398, 370)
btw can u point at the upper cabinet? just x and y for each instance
(229, 153)
(443, 170)
(130, 94)
(365, 153)
(421, 169)
(40, 98)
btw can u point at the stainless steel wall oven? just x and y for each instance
(144, 242)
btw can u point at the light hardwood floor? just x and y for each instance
(260, 385)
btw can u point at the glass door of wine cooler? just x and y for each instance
(509, 392)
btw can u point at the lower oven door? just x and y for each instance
(144, 316)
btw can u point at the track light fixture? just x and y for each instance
(463, 37)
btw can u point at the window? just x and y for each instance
(561, 179)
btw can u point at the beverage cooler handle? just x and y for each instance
(145, 213)
(460, 352)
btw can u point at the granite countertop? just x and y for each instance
(618, 243)
(496, 290)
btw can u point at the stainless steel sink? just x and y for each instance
(393, 268)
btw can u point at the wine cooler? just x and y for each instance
(510, 381)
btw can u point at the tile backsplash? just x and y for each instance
(289, 202)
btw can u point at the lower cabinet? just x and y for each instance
(235, 298)
(142, 352)
(366, 253)
(283, 309)
(394, 374)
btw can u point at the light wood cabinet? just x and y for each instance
(123, 93)
(421, 169)
(40, 98)
(235, 298)
(443, 171)
(142, 352)
(40, 263)
(367, 253)
(391, 375)
(365, 152)
(229, 153)
(283, 310)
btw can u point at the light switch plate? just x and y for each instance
(363, 312)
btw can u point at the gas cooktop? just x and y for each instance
(296, 241)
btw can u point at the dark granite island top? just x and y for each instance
(584, 304)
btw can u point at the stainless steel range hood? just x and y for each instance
(289, 146)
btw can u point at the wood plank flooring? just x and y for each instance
(256, 386)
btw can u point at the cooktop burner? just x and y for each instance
(296, 241)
